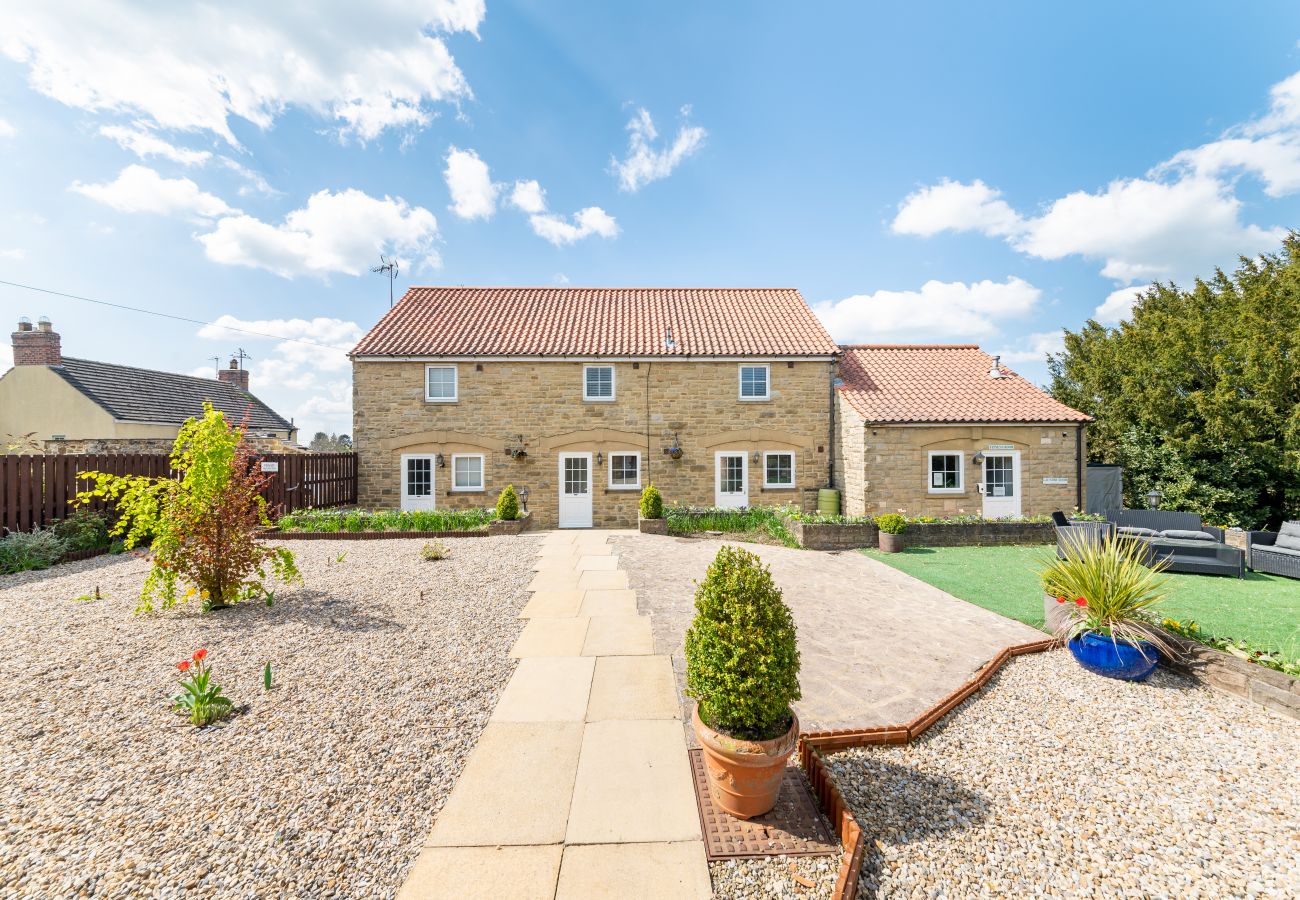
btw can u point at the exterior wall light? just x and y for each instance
(439, 461)
(523, 497)
(1153, 499)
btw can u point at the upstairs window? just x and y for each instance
(754, 383)
(440, 384)
(945, 473)
(598, 383)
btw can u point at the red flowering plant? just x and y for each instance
(199, 700)
(1111, 589)
(201, 526)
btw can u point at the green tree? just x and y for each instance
(1197, 395)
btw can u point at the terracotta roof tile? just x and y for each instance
(941, 383)
(549, 321)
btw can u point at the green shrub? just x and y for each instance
(24, 551)
(742, 658)
(508, 504)
(751, 520)
(891, 523)
(83, 529)
(652, 503)
(335, 520)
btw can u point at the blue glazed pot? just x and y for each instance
(1115, 659)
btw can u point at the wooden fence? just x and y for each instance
(38, 490)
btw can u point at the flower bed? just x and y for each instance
(411, 523)
(757, 522)
(817, 532)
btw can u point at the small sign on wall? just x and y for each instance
(1002, 446)
(270, 467)
(1055, 479)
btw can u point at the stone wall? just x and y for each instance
(1267, 687)
(152, 445)
(816, 536)
(895, 467)
(538, 406)
(850, 460)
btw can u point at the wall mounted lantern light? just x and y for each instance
(439, 461)
(1153, 499)
(978, 458)
(600, 458)
(523, 497)
(756, 457)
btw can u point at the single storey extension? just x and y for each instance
(947, 430)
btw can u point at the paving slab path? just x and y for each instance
(580, 785)
(877, 646)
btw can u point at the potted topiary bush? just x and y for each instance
(1105, 595)
(652, 519)
(508, 504)
(890, 528)
(742, 668)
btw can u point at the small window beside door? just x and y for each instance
(467, 472)
(440, 384)
(778, 470)
(624, 471)
(598, 383)
(754, 383)
(945, 472)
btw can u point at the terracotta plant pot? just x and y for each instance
(745, 776)
(891, 543)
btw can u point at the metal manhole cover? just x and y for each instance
(794, 827)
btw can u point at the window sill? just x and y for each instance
(622, 490)
(466, 491)
(755, 399)
(948, 492)
(598, 399)
(778, 488)
(435, 400)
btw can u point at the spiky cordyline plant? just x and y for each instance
(1110, 590)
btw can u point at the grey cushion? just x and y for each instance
(1288, 536)
(1136, 532)
(1178, 535)
(1284, 551)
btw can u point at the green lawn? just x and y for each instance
(1262, 610)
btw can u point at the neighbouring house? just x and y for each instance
(947, 430)
(51, 403)
(582, 396)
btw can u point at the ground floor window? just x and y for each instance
(625, 470)
(945, 472)
(467, 472)
(778, 470)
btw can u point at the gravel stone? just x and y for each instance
(773, 877)
(386, 668)
(1054, 782)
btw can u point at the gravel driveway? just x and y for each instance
(1056, 783)
(324, 787)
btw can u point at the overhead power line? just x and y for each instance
(163, 315)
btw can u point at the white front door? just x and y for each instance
(417, 481)
(1001, 484)
(732, 480)
(575, 490)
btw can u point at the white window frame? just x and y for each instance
(961, 472)
(482, 472)
(613, 388)
(793, 470)
(455, 384)
(610, 465)
(767, 382)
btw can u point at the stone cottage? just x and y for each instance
(580, 397)
(51, 403)
(947, 430)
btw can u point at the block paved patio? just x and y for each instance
(877, 646)
(580, 785)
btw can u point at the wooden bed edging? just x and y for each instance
(814, 743)
(364, 535)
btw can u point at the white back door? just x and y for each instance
(732, 480)
(1001, 484)
(575, 490)
(417, 481)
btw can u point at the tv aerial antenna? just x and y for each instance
(390, 268)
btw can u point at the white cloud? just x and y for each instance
(1117, 305)
(529, 196)
(141, 189)
(367, 67)
(6, 357)
(938, 310)
(473, 195)
(145, 144)
(953, 206)
(7, 130)
(296, 379)
(586, 222)
(1033, 347)
(253, 181)
(17, 254)
(340, 232)
(644, 163)
(560, 278)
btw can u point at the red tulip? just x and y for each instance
(183, 665)
(1060, 599)
(199, 654)
(1081, 602)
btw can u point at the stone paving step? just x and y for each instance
(618, 636)
(547, 689)
(551, 637)
(453, 873)
(632, 687)
(663, 871)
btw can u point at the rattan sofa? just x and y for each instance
(1266, 555)
(1195, 557)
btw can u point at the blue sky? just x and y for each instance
(931, 172)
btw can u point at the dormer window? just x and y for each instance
(598, 383)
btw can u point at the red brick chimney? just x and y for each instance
(234, 375)
(36, 347)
